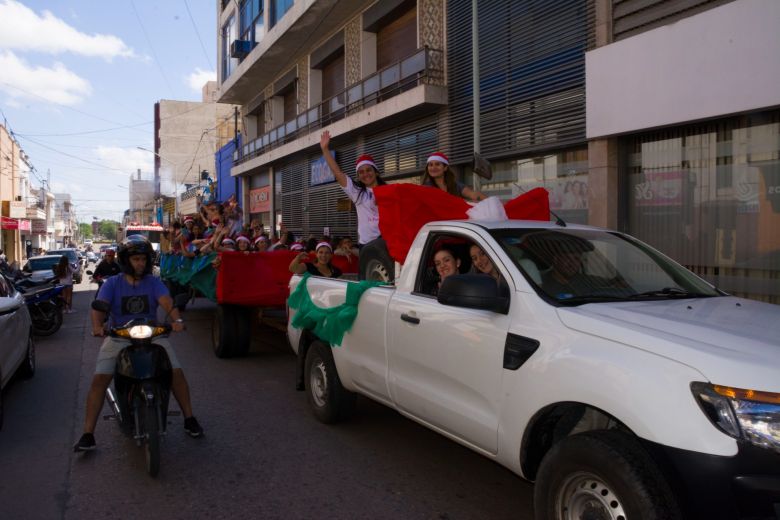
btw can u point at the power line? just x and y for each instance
(151, 47)
(208, 59)
(73, 156)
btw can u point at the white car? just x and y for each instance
(17, 351)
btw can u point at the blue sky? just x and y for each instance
(79, 81)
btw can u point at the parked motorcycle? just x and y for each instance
(141, 385)
(45, 304)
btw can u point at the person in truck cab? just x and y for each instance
(564, 254)
(446, 264)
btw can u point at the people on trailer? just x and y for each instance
(286, 239)
(243, 243)
(438, 174)
(228, 244)
(321, 266)
(344, 247)
(261, 243)
(297, 247)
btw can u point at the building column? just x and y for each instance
(603, 192)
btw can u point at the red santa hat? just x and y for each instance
(242, 237)
(438, 156)
(363, 160)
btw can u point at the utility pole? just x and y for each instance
(235, 143)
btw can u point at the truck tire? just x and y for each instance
(329, 401)
(375, 262)
(223, 331)
(243, 335)
(606, 474)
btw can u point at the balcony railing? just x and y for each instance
(425, 66)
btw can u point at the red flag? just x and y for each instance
(405, 208)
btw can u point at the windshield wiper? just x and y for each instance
(670, 292)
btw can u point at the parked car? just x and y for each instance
(91, 257)
(41, 268)
(73, 258)
(17, 350)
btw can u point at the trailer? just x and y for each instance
(249, 288)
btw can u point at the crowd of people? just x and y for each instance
(219, 227)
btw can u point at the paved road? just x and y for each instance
(263, 455)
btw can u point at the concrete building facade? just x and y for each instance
(660, 119)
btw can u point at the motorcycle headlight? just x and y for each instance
(748, 415)
(140, 332)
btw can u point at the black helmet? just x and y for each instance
(134, 245)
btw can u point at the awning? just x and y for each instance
(12, 223)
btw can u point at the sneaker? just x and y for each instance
(86, 443)
(192, 427)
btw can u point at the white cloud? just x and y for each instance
(23, 29)
(128, 160)
(56, 84)
(197, 79)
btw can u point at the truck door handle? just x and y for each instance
(411, 319)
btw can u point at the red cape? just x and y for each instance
(405, 208)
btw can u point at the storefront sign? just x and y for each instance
(260, 200)
(18, 209)
(320, 172)
(659, 189)
(188, 206)
(24, 225)
(39, 227)
(11, 223)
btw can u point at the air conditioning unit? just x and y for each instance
(240, 49)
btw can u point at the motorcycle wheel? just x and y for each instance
(151, 427)
(48, 319)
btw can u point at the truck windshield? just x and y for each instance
(574, 267)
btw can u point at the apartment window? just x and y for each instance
(252, 20)
(290, 104)
(229, 34)
(397, 38)
(278, 8)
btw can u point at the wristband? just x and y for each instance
(178, 321)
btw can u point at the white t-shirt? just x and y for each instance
(367, 212)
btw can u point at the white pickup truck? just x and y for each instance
(620, 383)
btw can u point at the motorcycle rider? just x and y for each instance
(107, 267)
(133, 294)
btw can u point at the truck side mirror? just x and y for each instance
(473, 291)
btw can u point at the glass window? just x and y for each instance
(563, 174)
(709, 196)
(229, 35)
(252, 21)
(278, 8)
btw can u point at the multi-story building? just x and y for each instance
(142, 200)
(15, 226)
(659, 119)
(65, 225)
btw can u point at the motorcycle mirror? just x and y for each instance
(101, 306)
(482, 167)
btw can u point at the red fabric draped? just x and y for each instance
(405, 208)
(260, 279)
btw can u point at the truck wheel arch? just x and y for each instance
(307, 338)
(555, 422)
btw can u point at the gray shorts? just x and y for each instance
(109, 350)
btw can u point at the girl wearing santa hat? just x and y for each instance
(360, 191)
(439, 175)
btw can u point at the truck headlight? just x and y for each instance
(748, 415)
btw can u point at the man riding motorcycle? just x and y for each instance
(134, 294)
(106, 268)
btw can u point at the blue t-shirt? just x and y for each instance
(131, 301)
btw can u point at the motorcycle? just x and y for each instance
(45, 304)
(96, 278)
(141, 385)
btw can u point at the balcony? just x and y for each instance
(421, 69)
(301, 27)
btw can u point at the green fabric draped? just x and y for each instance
(196, 272)
(329, 324)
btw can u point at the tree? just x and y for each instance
(107, 228)
(85, 230)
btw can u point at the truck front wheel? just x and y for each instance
(604, 475)
(328, 399)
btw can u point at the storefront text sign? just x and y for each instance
(260, 200)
